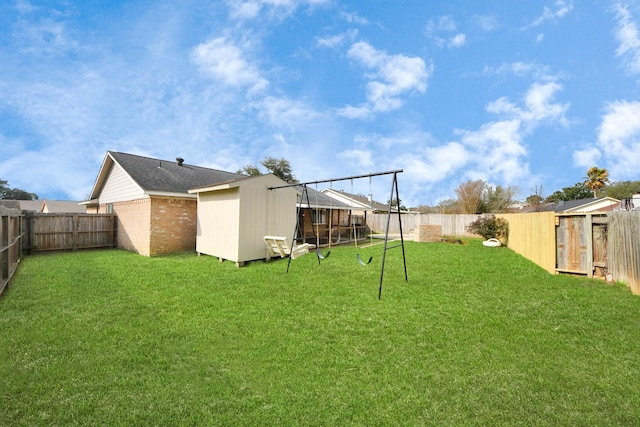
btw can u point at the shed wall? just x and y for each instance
(264, 212)
(218, 224)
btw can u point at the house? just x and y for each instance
(235, 216)
(155, 212)
(23, 205)
(602, 204)
(322, 219)
(631, 204)
(359, 202)
(62, 206)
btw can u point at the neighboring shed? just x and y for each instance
(234, 216)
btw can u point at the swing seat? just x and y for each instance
(278, 246)
(362, 262)
(321, 256)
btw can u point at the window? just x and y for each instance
(109, 208)
(319, 216)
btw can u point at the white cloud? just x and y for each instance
(435, 164)
(498, 150)
(251, 9)
(286, 113)
(337, 40)
(354, 18)
(588, 157)
(445, 24)
(538, 103)
(521, 69)
(457, 41)
(47, 36)
(222, 60)
(23, 6)
(391, 76)
(561, 8)
(618, 143)
(363, 158)
(486, 22)
(628, 38)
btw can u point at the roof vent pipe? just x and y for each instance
(179, 161)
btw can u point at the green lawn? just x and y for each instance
(479, 336)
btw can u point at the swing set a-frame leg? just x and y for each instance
(394, 186)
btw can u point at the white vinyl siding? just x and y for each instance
(119, 187)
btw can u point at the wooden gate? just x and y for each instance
(581, 244)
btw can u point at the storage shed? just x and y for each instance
(234, 216)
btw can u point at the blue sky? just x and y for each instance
(517, 93)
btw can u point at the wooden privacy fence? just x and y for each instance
(11, 235)
(533, 235)
(452, 224)
(623, 248)
(593, 244)
(62, 232)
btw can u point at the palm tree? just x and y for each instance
(596, 179)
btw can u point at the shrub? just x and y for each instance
(490, 227)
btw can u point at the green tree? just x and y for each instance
(490, 227)
(9, 193)
(576, 192)
(279, 167)
(622, 189)
(596, 179)
(249, 170)
(536, 199)
(498, 199)
(395, 203)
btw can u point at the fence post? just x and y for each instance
(588, 231)
(75, 223)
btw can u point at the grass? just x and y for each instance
(479, 336)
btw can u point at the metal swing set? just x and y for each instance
(320, 256)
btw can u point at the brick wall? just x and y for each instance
(173, 225)
(429, 233)
(133, 222)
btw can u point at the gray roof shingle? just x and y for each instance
(167, 176)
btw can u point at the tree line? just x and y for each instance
(8, 193)
(477, 196)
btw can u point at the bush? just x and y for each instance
(490, 227)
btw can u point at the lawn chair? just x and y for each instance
(278, 246)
